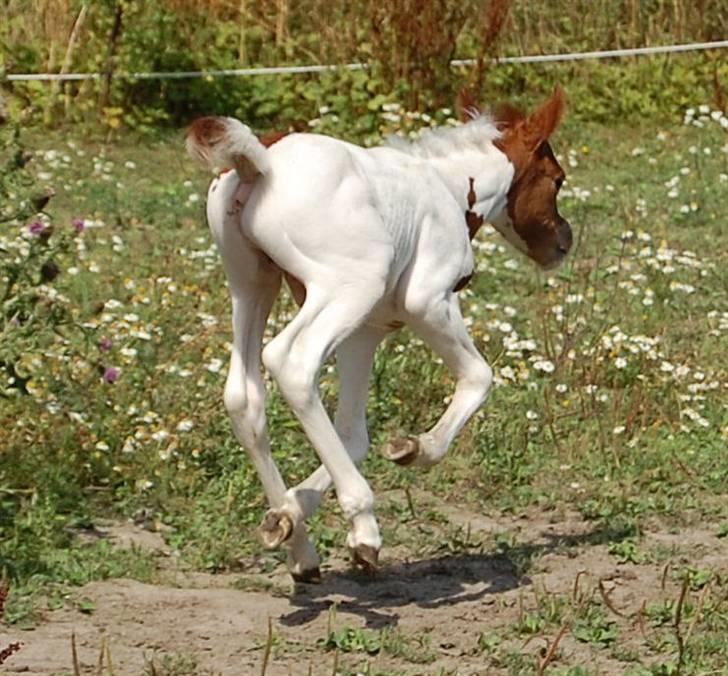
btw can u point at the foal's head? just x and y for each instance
(531, 219)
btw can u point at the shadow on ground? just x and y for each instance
(443, 581)
(437, 582)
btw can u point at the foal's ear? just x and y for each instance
(539, 125)
(466, 106)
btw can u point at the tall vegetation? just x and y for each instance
(408, 43)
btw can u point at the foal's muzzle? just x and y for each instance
(564, 236)
(562, 245)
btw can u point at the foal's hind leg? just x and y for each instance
(441, 325)
(245, 401)
(254, 285)
(354, 358)
(295, 357)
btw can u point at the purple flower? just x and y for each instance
(79, 225)
(36, 227)
(111, 374)
(105, 344)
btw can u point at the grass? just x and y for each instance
(611, 404)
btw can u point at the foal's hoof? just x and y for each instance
(402, 450)
(366, 558)
(275, 529)
(310, 576)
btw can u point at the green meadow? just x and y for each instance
(610, 413)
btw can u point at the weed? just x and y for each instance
(488, 643)
(594, 627)
(349, 639)
(627, 551)
(174, 665)
(372, 642)
(695, 578)
(569, 671)
(531, 623)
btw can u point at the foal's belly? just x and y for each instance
(386, 315)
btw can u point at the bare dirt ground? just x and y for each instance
(218, 624)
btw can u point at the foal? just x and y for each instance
(368, 240)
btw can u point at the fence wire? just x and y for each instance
(319, 68)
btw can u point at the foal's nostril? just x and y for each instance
(566, 237)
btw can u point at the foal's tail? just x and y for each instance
(222, 142)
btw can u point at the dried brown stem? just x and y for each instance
(698, 611)
(676, 624)
(575, 590)
(268, 647)
(608, 601)
(663, 579)
(74, 655)
(550, 652)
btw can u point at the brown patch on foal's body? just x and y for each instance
(272, 137)
(298, 290)
(473, 221)
(207, 131)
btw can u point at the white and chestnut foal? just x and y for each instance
(368, 240)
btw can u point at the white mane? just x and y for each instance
(446, 140)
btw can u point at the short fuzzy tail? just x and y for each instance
(224, 142)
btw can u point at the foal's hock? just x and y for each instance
(368, 239)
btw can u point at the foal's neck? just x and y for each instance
(492, 174)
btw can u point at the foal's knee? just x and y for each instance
(480, 378)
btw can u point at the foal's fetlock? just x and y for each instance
(276, 528)
(303, 560)
(365, 557)
(308, 576)
(402, 450)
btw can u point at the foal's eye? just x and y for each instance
(559, 182)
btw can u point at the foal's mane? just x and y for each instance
(474, 135)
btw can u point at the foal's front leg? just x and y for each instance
(440, 325)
